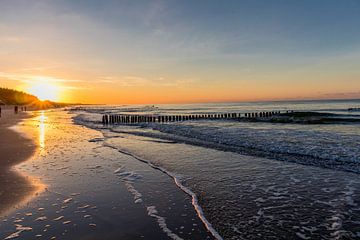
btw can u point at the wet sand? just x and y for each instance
(14, 149)
(94, 191)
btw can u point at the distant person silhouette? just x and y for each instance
(16, 109)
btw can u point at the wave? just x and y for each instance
(178, 182)
(327, 146)
(316, 145)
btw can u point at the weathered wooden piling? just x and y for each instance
(131, 119)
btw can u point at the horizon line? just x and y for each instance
(213, 102)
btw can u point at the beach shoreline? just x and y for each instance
(94, 191)
(14, 149)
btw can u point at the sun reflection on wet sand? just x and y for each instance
(18, 188)
(26, 188)
(42, 126)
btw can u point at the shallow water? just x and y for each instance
(250, 180)
(249, 197)
(247, 176)
(334, 145)
(92, 191)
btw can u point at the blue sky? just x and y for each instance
(227, 45)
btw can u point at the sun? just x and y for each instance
(45, 91)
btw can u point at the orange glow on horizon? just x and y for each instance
(45, 91)
(76, 88)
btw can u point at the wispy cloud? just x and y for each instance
(139, 81)
(11, 39)
(106, 79)
(25, 78)
(133, 81)
(174, 83)
(355, 94)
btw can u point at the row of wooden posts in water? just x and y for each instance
(120, 118)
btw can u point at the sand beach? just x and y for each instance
(84, 189)
(14, 149)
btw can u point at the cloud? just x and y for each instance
(38, 69)
(174, 83)
(106, 79)
(35, 79)
(133, 81)
(11, 39)
(355, 94)
(139, 81)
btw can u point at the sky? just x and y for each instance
(180, 51)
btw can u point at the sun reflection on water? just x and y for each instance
(42, 125)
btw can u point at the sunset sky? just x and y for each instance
(170, 51)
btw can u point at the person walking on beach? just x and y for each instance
(16, 109)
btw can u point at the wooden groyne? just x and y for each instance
(133, 119)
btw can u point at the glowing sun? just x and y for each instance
(45, 91)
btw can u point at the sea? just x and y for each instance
(252, 179)
(238, 178)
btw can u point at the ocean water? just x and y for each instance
(84, 189)
(251, 180)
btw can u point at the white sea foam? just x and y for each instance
(20, 229)
(152, 212)
(67, 200)
(129, 178)
(178, 182)
(118, 170)
(307, 144)
(58, 218)
(136, 194)
(41, 218)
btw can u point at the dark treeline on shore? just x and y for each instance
(14, 97)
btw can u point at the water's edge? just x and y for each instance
(176, 180)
